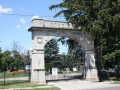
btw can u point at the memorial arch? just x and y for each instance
(45, 30)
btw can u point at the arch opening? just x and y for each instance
(65, 61)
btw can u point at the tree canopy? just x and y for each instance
(101, 18)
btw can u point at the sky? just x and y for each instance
(15, 22)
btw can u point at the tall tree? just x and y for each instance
(101, 18)
(74, 56)
(51, 52)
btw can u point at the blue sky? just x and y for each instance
(14, 28)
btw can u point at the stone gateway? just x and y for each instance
(43, 31)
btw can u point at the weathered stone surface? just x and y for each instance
(43, 31)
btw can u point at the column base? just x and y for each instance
(38, 76)
(91, 74)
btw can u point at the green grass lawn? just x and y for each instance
(16, 84)
(8, 75)
(50, 88)
(116, 82)
(25, 85)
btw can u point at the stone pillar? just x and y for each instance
(90, 67)
(38, 70)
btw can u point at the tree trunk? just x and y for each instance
(98, 55)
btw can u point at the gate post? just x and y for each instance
(38, 70)
(90, 67)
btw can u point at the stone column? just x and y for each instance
(38, 70)
(90, 67)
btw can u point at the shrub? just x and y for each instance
(20, 71)
(12, 73)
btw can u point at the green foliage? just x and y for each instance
(11, 60)
(51, 52)
(111, 52)
(26, 58)
(17, 61)
(101, 18)
(75, 55)
(5, 60)
(0, 58)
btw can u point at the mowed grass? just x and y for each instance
(116, 82)
(25, 85)
(17, 84)
(8, 75)
(50, 88)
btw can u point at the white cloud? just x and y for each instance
(18, 26)
(5, 10)
(22, 20)
(35, 17)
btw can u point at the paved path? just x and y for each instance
(84, 85)
(75, 84)
(49, 77)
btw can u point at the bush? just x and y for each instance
(16, 72)
(20, 71)
(105, 74)
(12, 73)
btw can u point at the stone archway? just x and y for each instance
(45, 30)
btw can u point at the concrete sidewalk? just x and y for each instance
(74, 84)
(82, 85)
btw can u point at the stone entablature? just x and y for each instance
(52, 24)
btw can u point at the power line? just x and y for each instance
(24, 15)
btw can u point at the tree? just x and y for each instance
(6, 60)
(16, 46)
(101, 18)
(26, 58)
(74, 56)
(0, 59)
(51, 52)
(17, 61)
(110, 52)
